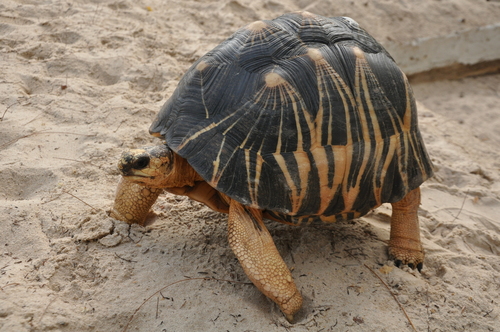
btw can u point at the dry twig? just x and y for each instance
(460, 211)
(81, 200)
(6, 109)
(47, 307)
(8, 285)
(176, 282)
(39, 133)
(69, 159)
(394, 296)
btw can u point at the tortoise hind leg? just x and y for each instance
(404, 244)
(261, 261)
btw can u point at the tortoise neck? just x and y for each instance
(182, 173)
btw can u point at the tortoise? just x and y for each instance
(300, 119)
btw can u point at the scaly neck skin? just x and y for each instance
(134, 199)
(181, 174)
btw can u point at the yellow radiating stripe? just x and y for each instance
(297, 195)
(405, 122)
(280, 131)
(307, 115)
(204, 130)
(253, 183)
(403, 137)
(249, 132)
(301, 157)
(377, 135)
(304, 168)
(216, 163)
(402, 162)
(291, 184)
(408, 112)
(350, 194)
(408, 125)
(399, 137)
(249, 181)
(327, 193)
(300, 139)
(342, 154)
(316, 141)
(393, 141)
(258, 168)
(318, 152)
(288, 93)
(215, 177)
(321, 162)
(201, 66)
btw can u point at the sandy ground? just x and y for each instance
(80, 81)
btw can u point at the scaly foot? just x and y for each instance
(261, 261)
(404, 244)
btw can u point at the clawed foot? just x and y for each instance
(403, 256)
(420, 266)
(405, 247)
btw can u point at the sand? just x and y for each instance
(81, 81)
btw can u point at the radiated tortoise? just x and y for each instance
(301, 119)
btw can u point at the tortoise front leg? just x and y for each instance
(261, 261)
(133, 201)
(404, 244)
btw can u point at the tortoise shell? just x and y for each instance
(305, 117)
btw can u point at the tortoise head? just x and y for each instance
(151, 166)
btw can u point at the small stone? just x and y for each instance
(386, 269)
(403, 299)
(111, 240)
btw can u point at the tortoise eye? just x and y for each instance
(141, 162)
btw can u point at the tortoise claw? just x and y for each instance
(399, 263)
